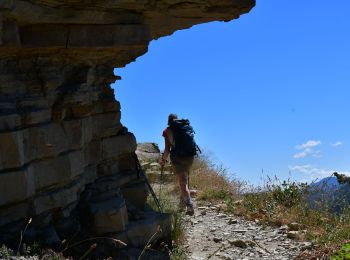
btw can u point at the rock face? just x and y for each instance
(65, 159)
(103, 31)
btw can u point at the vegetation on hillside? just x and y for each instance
(278, 203)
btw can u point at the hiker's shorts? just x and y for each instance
(181, 164)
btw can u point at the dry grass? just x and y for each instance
(212, 181)
(276, 203)
(168, 195)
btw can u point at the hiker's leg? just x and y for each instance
(185, 193)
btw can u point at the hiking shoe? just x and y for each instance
(190, 210)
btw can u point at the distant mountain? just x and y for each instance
(329, 182)
(328, 192)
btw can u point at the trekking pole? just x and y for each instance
(161, 180)
(141, 172)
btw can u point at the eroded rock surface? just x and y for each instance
(65, 159)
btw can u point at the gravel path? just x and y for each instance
(214, 235)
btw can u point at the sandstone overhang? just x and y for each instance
(104, 31)
(66, 161)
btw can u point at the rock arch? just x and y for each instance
(63, 150)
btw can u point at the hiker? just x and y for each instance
(179, 142)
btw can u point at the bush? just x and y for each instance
(288, 193)
(343, 253)
(5, 252)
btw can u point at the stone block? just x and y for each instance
(112, 131)
(77, 163)
(9, 36)
(140, 231)
(114, 146)
(108, 167)
(31, 102)
(51, 172)
(111, 106)
(57, 198)
(81, 110)
(15, 187)
(109, 216)
(44, 35)
(136, 194)
(90, 174)
(37, 117)
(94, 126)
(35, 144)
(93, 152)
(6, 107)
(44, 142)
(127, 162)
(117, 180)
(11, 152)
(74, 138)
(108, 35)
(14, 213)
(10, 122)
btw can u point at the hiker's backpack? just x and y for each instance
(185, 144)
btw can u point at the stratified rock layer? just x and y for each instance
(111, 32)
(65, 159)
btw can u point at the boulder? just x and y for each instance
(148, 152)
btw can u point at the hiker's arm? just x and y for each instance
(166, 151)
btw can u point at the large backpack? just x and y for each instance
(185, 144)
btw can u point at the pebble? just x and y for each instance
(240, 230)
(293, 234)
(232, 221)
(284, 228)
(217, 239)
(239, 243)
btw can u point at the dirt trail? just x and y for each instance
(211, 234)
(214, 235)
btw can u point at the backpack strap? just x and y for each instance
(199, 149)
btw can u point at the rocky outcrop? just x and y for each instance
(148, 152)
(65, 159)
(104, 31)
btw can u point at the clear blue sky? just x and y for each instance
(268, 91)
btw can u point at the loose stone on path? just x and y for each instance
(220, 236)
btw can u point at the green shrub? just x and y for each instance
(5, 252)
(343, 253)
(289, 193)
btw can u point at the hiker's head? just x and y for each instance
(171, 118)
